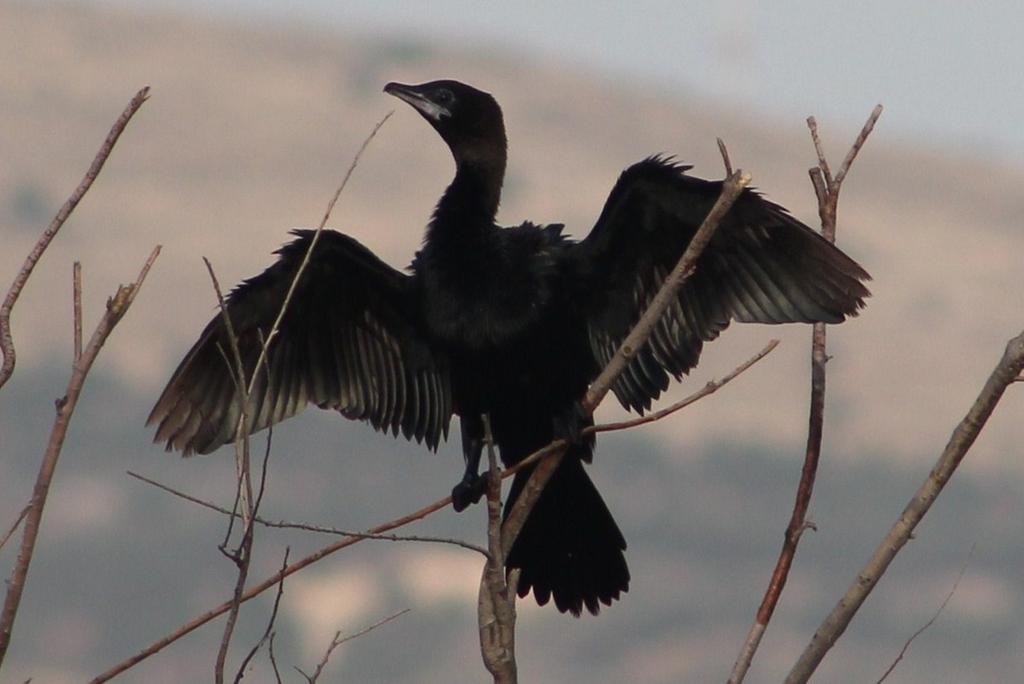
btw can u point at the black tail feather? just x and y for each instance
(570, 548)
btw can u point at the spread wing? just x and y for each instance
(349, 341)
(762, 266)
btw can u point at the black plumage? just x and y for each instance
(512, 322)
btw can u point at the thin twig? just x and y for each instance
(858, 143)
(6, 339)
(710, 387)
(724, 151)
(14, 526)
(827, 191)
(270, 623)
(273, 658)
(1008, 368)
(117, 306)
(242, 556)
(76, 298)
(308, 527)
(338, 641)
(236, 369)
(812, 124)
(931, 621)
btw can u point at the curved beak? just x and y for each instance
(414, 96)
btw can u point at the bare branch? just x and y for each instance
(117, 306)
(6, 339)
(931, 621)
(827, 191)
(711, 387)
(309, 527)
(724, 151)
(1008, 368)
(812, 124)
(496, 611)
(76, 296)
(14, 526)
(338, 641)
(243, 389)
(825, 186)
(242, 556)
(820, 189)
(857, 144)
(268, 632)
(273, 658)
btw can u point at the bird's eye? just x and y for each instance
(445, 96)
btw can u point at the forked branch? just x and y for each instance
(117, 306)
(6, 338)
(83, 359)
(827, 190)
(1008, 368)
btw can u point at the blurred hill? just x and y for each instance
(249, 130)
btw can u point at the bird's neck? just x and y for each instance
(470, 203)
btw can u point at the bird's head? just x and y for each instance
(469, 120)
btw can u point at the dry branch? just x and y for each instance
(6, 339)
(76, 295)
(496, 607)
(117, 306)
(1008, 368)
(338, 640)
(724, 151)
(309, 527)
(710, 387)
(14, 526)
(931, 621)
(269, 631)
(826, 189)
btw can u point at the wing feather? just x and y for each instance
(350, 341)
(762, 266)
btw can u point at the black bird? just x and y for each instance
(511, 322)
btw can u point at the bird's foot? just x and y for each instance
(569, 424)
(468, 491)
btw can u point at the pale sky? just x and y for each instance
(950, 74)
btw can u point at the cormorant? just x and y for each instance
(511, 322)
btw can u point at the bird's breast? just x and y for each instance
(485, 312)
